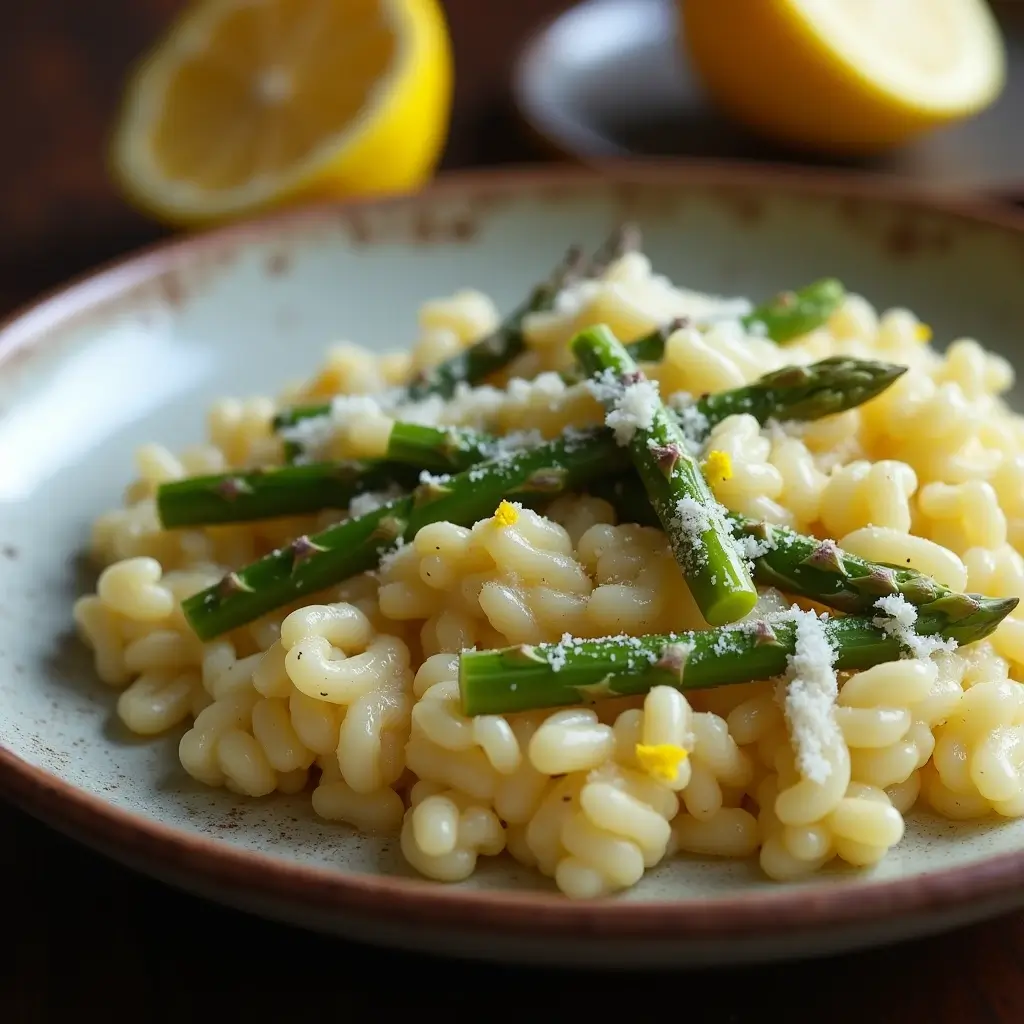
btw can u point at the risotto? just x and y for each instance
(746, 592)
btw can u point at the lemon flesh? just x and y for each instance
(249, 105)
(846, 76)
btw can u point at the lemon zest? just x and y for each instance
(506, 514)
(662, 760)
(717, 467)
(923, 333)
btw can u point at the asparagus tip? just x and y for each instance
(624, 239)
(666, 455)
(302, 549)
(232, 487)
(550, 480)
(880, 581)
(764, 635)
(429, 492)
(673, 659)
(232, 584)
(388, 530)
(827, 556)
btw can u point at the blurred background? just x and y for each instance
(534, 80)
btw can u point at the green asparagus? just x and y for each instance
(309, 564)
(783, 318)
(525, 678)
(796, 564)
(805, 566)
(792, 393)
(493, 352)
(275, 492)
(802, 393)
(299, 489)
(701, 540)
(790, 315)
(499, 348)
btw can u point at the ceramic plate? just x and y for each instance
(607, 79)
(137, 352)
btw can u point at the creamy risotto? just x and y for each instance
(511, 593)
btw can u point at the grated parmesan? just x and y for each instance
(434, 480)
(899, 619)
(810, 697)
(315, 433)
(755, 547)
(369, 501)
(605, 386)
(502, 450)
(690, 521)
(547, 389)
(388, 557)
(634, 409)
(427, 412)
(693, 423)
(557, 654)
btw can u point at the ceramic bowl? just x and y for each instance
(137, 351)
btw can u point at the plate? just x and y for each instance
(607, 79)
(137, 351)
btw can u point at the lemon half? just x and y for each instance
(846, 76)
(251, 104)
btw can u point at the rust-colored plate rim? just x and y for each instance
(412, 902)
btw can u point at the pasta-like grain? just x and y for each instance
(354, 701)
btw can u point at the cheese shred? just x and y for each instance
(810, 698)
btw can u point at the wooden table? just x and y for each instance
(88, 934)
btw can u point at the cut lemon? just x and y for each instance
(846, 76)
(251, 104)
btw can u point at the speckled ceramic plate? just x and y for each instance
(609, 79)
(137, 351)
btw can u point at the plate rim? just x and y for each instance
(413, 901)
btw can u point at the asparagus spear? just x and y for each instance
(296, 490)
(790, 315)
(704, 547)
(797, 392)
(785, 317)
(499, 348)
(625, 238)
(794, 563)
(309, 564)
(806, 566)
(269, 493)
(526, 677)
(810, 392)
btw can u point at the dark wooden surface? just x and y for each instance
(84, 933)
